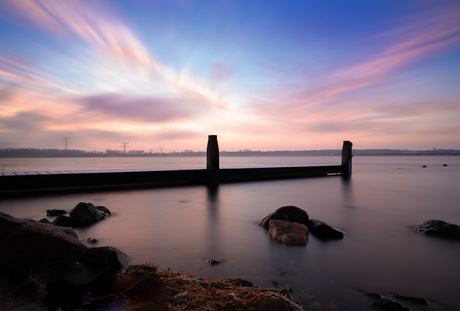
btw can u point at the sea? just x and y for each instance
(378, 207)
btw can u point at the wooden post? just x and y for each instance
(212, 159)
(346, 158)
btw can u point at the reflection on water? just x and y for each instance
(180, 228)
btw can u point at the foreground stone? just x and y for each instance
(289, 213)
(440, 228)
(47, 265)
(104, 261)
(27, 243)
(290, 233)
(323, 231)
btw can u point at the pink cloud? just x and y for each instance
(419, 37)
(140, 108)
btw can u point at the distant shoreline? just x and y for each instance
(59, 153)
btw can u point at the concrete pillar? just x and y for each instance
(346, 157)
(212, 159)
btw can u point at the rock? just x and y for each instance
(289, 213)
(55, 212)
(213, 262)
(375, 296)
(323, 231)
(290, 233)
(89, 213)
(27, 242)
(82, 215)
(444, 165)
(91, 240)
(106, 260)
(440, 228)
(415, 300)
(66, 221)
(389, 304)
(104, 210)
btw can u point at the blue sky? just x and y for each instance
(262, 75)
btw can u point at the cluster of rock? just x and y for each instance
(291, 225)
(44, 266)
(50, 257)
(440, 228)
(82, 215)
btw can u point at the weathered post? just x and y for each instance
(346, 158)
(212, 159)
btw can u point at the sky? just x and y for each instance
(261, 75)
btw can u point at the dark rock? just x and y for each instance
(440, 228)
(104, 210)
(45, 221)
(66, 221)
(416, 300)
(91, 240)
(444, 165)
(323, 231)
(28, 242)
(290, 233)
(289, 213)
(375, 296)
(389, 304)
(106, 260)
(424, 166)
(88, 213)
(55, 212)
(213, 262)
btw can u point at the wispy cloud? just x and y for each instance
(417, 38)
(101, 27)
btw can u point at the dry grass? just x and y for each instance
(191, 293)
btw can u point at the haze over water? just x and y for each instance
(180, 228)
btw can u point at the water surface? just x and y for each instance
(180, 228)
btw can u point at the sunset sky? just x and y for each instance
(262, 75)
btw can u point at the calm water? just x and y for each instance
(180, 228)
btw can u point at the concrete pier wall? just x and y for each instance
(30, 183)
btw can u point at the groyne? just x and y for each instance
(23, 183)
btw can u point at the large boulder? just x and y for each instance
(27, 242)
(289, 213)
(323, 231)
(440, 228)
(290, 233)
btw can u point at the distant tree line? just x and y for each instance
(48, 153)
